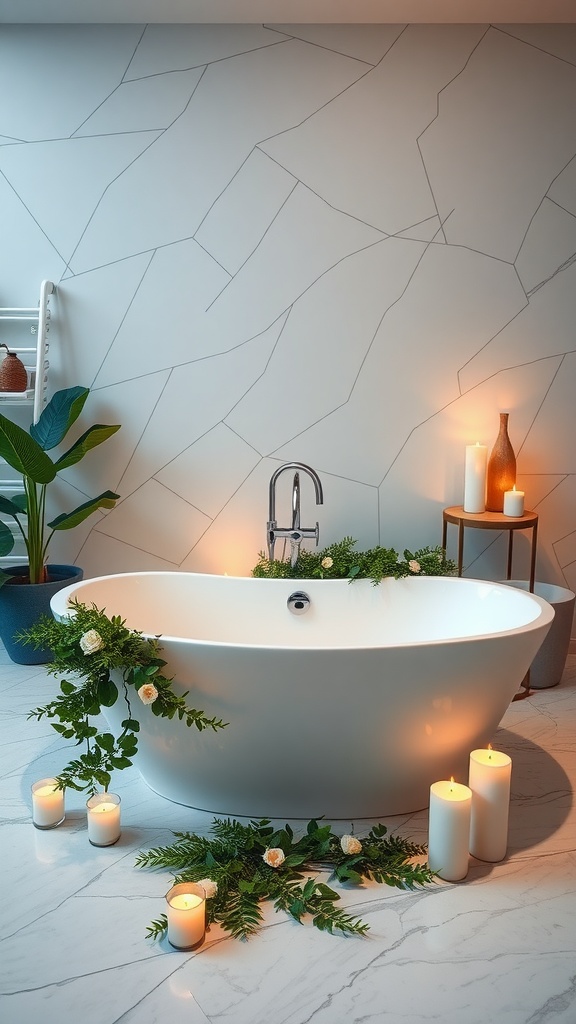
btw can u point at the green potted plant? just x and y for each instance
(25, 590)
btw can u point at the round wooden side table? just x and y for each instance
(492, 521)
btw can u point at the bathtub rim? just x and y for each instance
(60, 603)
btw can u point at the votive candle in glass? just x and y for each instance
(186, 914)
(103, 819)
(489, 780)
(449, 830)
(47, 804)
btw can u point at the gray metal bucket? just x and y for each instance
(548, 665)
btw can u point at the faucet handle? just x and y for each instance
(310, 534)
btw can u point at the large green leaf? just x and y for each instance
(6, 539)
(90, 439)
(62, 411)
(24, 454)
(68, 520)
(12, 508)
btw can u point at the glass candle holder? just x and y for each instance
(103, 819)
(186, 913)
(47, 804)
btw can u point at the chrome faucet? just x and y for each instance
(294, 533)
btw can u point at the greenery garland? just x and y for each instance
(249, 864)
(90, 646)
(339, 561)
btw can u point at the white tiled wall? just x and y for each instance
(351, 246)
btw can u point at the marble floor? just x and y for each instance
(499, 946)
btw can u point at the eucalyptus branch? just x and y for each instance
(341, 561)
(247, 865)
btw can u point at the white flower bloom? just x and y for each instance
(413, 565)
(210, 887)
(327, 562)
(350, 844)
(148, 693)
(91, 642)
(274, 857)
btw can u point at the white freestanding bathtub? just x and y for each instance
(350, 709)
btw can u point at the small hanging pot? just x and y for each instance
(13, 374)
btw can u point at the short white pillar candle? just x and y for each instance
(186, 914)
(103, 819)
(513, 503)
(489, 780)
(449, 830)
(475, 478)
(47, 804)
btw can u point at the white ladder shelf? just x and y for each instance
(36, 360)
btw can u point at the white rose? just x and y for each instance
(327, 562)
(91, 642)
(274, 857)
(210, 887)
(148, 693)
(350, 844)
(413, 565)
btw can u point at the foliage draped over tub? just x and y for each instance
(88, 647)
(340, 561)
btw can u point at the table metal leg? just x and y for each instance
(533, 556)
(460, 546)
(510, 547)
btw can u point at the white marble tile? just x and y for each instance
(364, 42)
(44, 106)
(211, 470)
(563, 188)
(263, 92)
(526, 337)
(144, 105)
(44, 176)
(163, 334)
(196, 397)
(378, 175)
(165, 47)
(549, 243)
(74, 917)
(236, 223)
(487, 135)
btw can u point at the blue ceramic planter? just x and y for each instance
(22, 604)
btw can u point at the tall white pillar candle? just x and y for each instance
(47, 804)
(489, 780)
(103, 819)
(449, 830)
(513, 503)
(186, 914)
(475, 477)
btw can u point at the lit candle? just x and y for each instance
(513, 503)
(489, 780)
(475, 478)
(449, 830)
(103, 819)
(47, 804)
(186, 914)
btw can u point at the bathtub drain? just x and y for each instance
(298, 602)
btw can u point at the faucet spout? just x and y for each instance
(295, 533)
